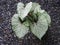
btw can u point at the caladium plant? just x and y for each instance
(30, 17)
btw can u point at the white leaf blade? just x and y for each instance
(43, 12)
(24, 11)
(48, 18)
(20, 7)
(27, 10)
(19, 29)
(40, 28)
(34, 5)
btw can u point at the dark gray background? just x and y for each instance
(7, 36)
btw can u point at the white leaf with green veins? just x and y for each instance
(19, 29)
(43, 12)
(24, 11)
(27, 9)
(20, 8)
(37, 9)
(34, 5)
(40, 28)
(47, 17)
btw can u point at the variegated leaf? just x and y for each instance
(19, 29)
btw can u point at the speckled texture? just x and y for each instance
(7, 36)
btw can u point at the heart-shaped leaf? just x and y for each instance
(47, 17)
(19, 29)
(34, 5)
(44, 13)
(40, 28)
(23, 12)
